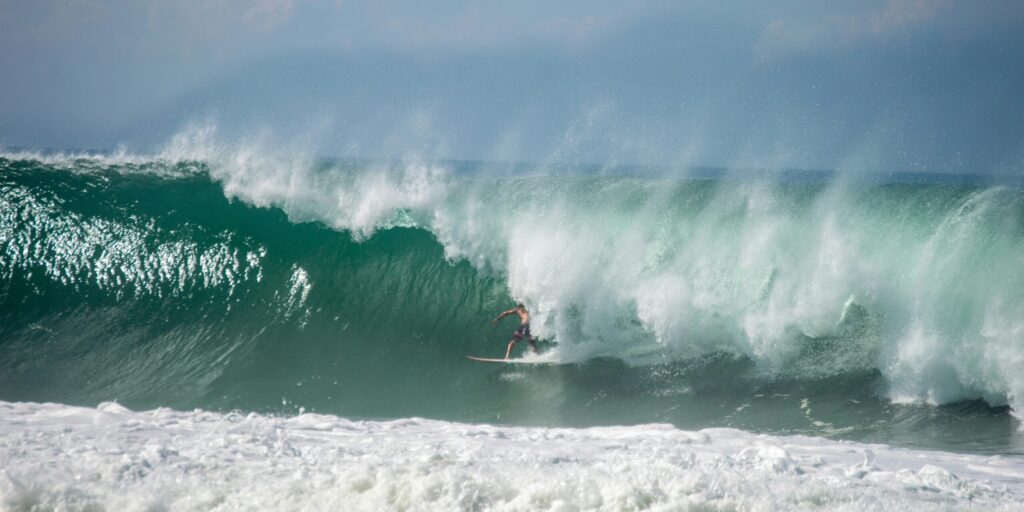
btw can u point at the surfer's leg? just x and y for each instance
(533, 345)
(516, 336)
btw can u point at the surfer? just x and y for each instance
(522, 331)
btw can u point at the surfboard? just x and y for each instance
(508, 361)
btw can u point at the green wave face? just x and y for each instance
(160, 291)
(827, 307)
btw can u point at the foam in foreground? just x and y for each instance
(59, 457)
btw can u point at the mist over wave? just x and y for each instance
(350, 273)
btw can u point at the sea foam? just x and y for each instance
(72, 458)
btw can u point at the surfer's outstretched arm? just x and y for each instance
(503, 315)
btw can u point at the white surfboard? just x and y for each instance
(509, 361)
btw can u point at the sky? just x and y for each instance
(879, 86)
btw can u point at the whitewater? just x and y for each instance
(238, 326)
(70, 458)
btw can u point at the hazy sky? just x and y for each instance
(879, 85)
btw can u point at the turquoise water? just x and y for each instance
(880, 311)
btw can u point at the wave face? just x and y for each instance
(242, 280)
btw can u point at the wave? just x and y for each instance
(235, 273)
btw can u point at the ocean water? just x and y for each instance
(852, 341)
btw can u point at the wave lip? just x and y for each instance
(111, 457)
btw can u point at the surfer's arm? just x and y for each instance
(503, 315)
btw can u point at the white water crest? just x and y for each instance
(58, 457)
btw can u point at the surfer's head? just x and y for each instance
(520, 306)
